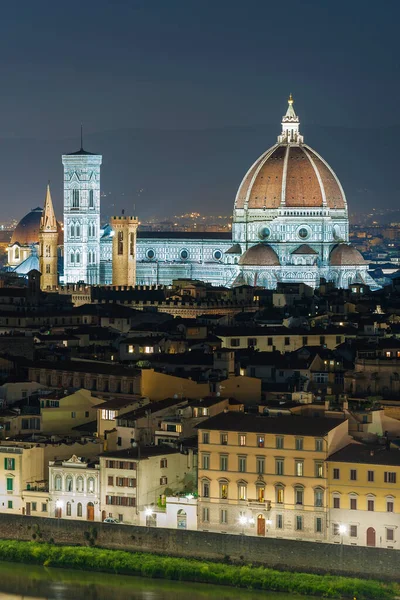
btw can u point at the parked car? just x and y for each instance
(110, 520)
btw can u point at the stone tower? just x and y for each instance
(124, 250)
(82, 217)
(48, 245)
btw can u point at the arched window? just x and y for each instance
(93, 229)
(79, 510)
(279, 494)
(79, 484)
(68, 509)
(72, 258)
(78, 230)
(16, 253)
(68, 483)
(58, 483)
(77, 258)
(181, 519)
(90, 485)
(91, 199)
(120, 242)
(75, 198)
(72, 230)
(47, 251)
(90, 230)
(131, 244)
(319, 497)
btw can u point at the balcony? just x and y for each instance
(254, 503)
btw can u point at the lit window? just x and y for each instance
(242, 491)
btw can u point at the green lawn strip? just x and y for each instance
(185, 569)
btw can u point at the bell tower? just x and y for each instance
(124, 250)
(48, 244)
(82, 216)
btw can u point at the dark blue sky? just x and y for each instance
(129, 70)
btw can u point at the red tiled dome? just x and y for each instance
(345, 255)
(292, 176)
(260, 255)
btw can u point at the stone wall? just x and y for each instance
(274, 553)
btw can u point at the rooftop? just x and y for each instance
(366, 454)
(140, 452)
(293, 425)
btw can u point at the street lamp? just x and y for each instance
(243, 521)
(148, 513)
(59, 506)
(342, 530)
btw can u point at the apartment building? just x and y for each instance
(138, 477)
(364, 500)
(266, 476)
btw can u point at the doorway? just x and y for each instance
(260, 525)
(90, 511)
(371, 536)
(28, 509)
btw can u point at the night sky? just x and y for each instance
(181, 96)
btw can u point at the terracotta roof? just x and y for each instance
(235, 249)
(304, 249)
(346, 255)
(295, 176)
(260, 255)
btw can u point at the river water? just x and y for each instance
(26, 582)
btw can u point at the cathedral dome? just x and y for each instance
(290, 174)
(260, 255)
(345, 255)
(27, 230)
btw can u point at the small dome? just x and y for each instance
(27, 230)
(260, 255)
(346, 255)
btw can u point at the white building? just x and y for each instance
(180, 512)
(137, 478)
(74, 489)
(82, 217)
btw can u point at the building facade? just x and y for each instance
(363, 483)
(74, 488)
(82, 217)
(266, 476)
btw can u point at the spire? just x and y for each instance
(48, 222)
(81, 136)
(290, 126)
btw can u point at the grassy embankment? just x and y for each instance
(183, 569)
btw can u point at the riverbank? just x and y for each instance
(192, 570)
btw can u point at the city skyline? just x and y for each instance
(197, 92)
